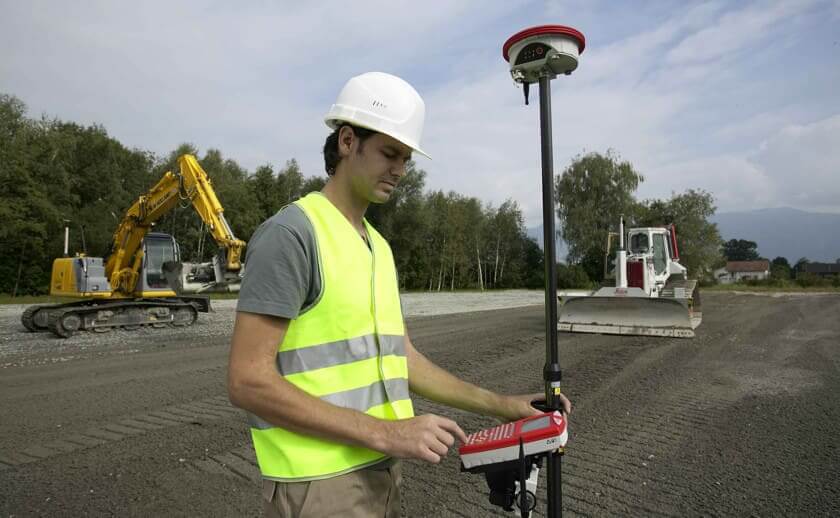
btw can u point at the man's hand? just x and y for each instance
(518, 407)
(427, 437)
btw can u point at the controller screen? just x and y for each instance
(536, 424)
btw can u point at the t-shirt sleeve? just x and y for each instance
(277, 272)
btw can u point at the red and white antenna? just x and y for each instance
(538, 55)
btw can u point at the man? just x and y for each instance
(320, 358)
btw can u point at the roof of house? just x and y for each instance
(822, 267)
(748, 266)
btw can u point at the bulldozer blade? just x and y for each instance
(627, 316)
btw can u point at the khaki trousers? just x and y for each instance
(366, 493)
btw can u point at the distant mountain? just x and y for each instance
(536, 233)
(785, 232)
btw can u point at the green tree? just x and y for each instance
(780, 261)
(534, 260)
(780, 269)
(30, 218)
(698, 239)
(56, 173)
(312, 184)
(289, 183)
(740, 250)
(505, 246)
(264, 188)
(591, 194)
(572, 276)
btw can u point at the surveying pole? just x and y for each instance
(538, 55)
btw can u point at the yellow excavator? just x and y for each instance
(132, 288)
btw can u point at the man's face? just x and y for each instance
(376, 166)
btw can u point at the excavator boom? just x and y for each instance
(193, 185)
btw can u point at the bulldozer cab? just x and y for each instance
(660, 253)
(651, 246)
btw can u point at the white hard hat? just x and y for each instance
(383, 103)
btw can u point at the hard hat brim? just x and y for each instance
(335, 122)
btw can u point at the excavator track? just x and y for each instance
(64, 320)
(36, 318)
(28, 319)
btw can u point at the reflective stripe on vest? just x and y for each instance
(348, 349)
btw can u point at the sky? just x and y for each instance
(741, 99)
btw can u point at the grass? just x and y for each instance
(49, 299)
(792, 288)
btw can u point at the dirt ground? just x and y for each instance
(741, 420)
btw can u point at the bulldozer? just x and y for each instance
(652, 295)
(142, 281)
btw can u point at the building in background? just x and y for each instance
(822, 269)
(737, 271)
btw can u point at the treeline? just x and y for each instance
(54, 173)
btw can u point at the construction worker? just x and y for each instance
(320, 358)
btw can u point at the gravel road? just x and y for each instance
(741, 420)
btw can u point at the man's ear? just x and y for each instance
(346, 141)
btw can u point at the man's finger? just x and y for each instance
(567, 405)
(452, 426)
(439, 448)
(445, 437)
(429, 456)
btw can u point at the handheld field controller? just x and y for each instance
(510, 456)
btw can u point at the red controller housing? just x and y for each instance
(539, 433)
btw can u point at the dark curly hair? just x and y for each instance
(331, 155)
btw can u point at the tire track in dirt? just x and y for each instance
(216, 407)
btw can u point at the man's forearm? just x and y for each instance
(432, 382)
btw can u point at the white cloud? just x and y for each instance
(803, 162)
(798, 166)
(734, 31)
(255, 79)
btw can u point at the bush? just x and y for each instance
(808, 280)
(772, 282)
(572, 276)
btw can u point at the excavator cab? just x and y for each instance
(158, 248)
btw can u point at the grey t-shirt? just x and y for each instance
(282, 277)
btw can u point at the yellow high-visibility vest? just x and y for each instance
(348, 349)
